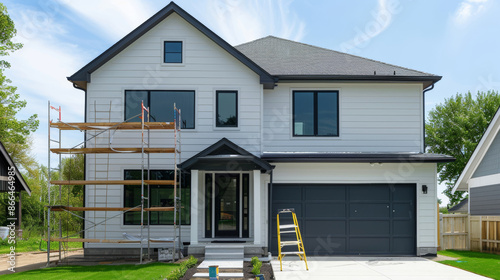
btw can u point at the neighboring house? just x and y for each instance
(461, 208)
(481, 175)
(10, 173)
(268, 124)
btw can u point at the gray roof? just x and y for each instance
(293, 60)
(462, 207)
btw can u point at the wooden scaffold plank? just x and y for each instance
(112, 125)
(130, 209)
(111, 182)
(111, 150)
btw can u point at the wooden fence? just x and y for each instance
(464, 232)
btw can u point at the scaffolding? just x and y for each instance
(100, 128)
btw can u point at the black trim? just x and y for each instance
(149, 103)
(165, 52)
(423, 112)
(217, 107)
(83, 75)
(315, 108)
(19, 182)
(360, 78)
(356, 157)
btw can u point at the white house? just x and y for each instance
(481, 175)
(268, 124)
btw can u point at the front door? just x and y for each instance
(227, 205)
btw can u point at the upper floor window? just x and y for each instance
(315, 113)
(161, 105)
(172, 52)
(227, 109)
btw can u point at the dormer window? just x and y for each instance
(172, 52)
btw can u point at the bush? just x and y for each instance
(185, 265)
(257, 264)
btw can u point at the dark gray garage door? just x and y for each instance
(367, 219)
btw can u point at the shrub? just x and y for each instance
(185, 265)
(257, 264)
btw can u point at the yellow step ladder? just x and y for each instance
(287, 229)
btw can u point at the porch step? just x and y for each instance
(224, 252)
(227, 275)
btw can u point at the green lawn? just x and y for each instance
(480, 263)
(33, 244)
(130, 271)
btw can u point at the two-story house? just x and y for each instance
(266, 125)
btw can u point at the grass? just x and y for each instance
(480, 263)
(32, 244)
(129, 271)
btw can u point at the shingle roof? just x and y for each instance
(462, 207)
(289, 59)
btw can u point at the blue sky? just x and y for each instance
(458, 40)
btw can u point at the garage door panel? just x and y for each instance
(375, 245)
(325, 209)
(368, 228)
(323, 192)
(403, 210)
(369, 210)
(373, 193)
(405, 228)
(325, 228)
(324, 245)
(288, 192)
(403, 192)
(403, 245)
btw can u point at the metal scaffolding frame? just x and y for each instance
(100, 128)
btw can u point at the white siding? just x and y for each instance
(373, 117)
(352, 173)
(206, 68)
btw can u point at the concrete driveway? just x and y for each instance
(369, 268)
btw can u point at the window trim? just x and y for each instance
(217, 108)
(164, 52)
(149, 102)
(315, 100)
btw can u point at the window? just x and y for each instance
(315, 113)
(173, 52)
(159, 196)
(227, 109)
(161, 105)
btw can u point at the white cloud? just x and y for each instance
(468, 9)
(240, 21)
(112, 18)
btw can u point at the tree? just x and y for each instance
(14, 133)
(455, 128)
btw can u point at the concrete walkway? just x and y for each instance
(369, 268)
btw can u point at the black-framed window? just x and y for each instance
(226, 108)
(161, 105)
(315, 113)
(159, 196)
(172, 52)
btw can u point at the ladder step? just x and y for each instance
(289, 231)
(288, 243)
(292, 253)
(288, 226)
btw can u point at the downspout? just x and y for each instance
(423, 115)
(84, 155)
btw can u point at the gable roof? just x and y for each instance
(222, 154)
(19, 183)
(82, 76)
(462, 207)
(290, 60)
(479, 153)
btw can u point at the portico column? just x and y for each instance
(194, 207)
(258, 222)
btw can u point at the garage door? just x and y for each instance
(367, 219)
